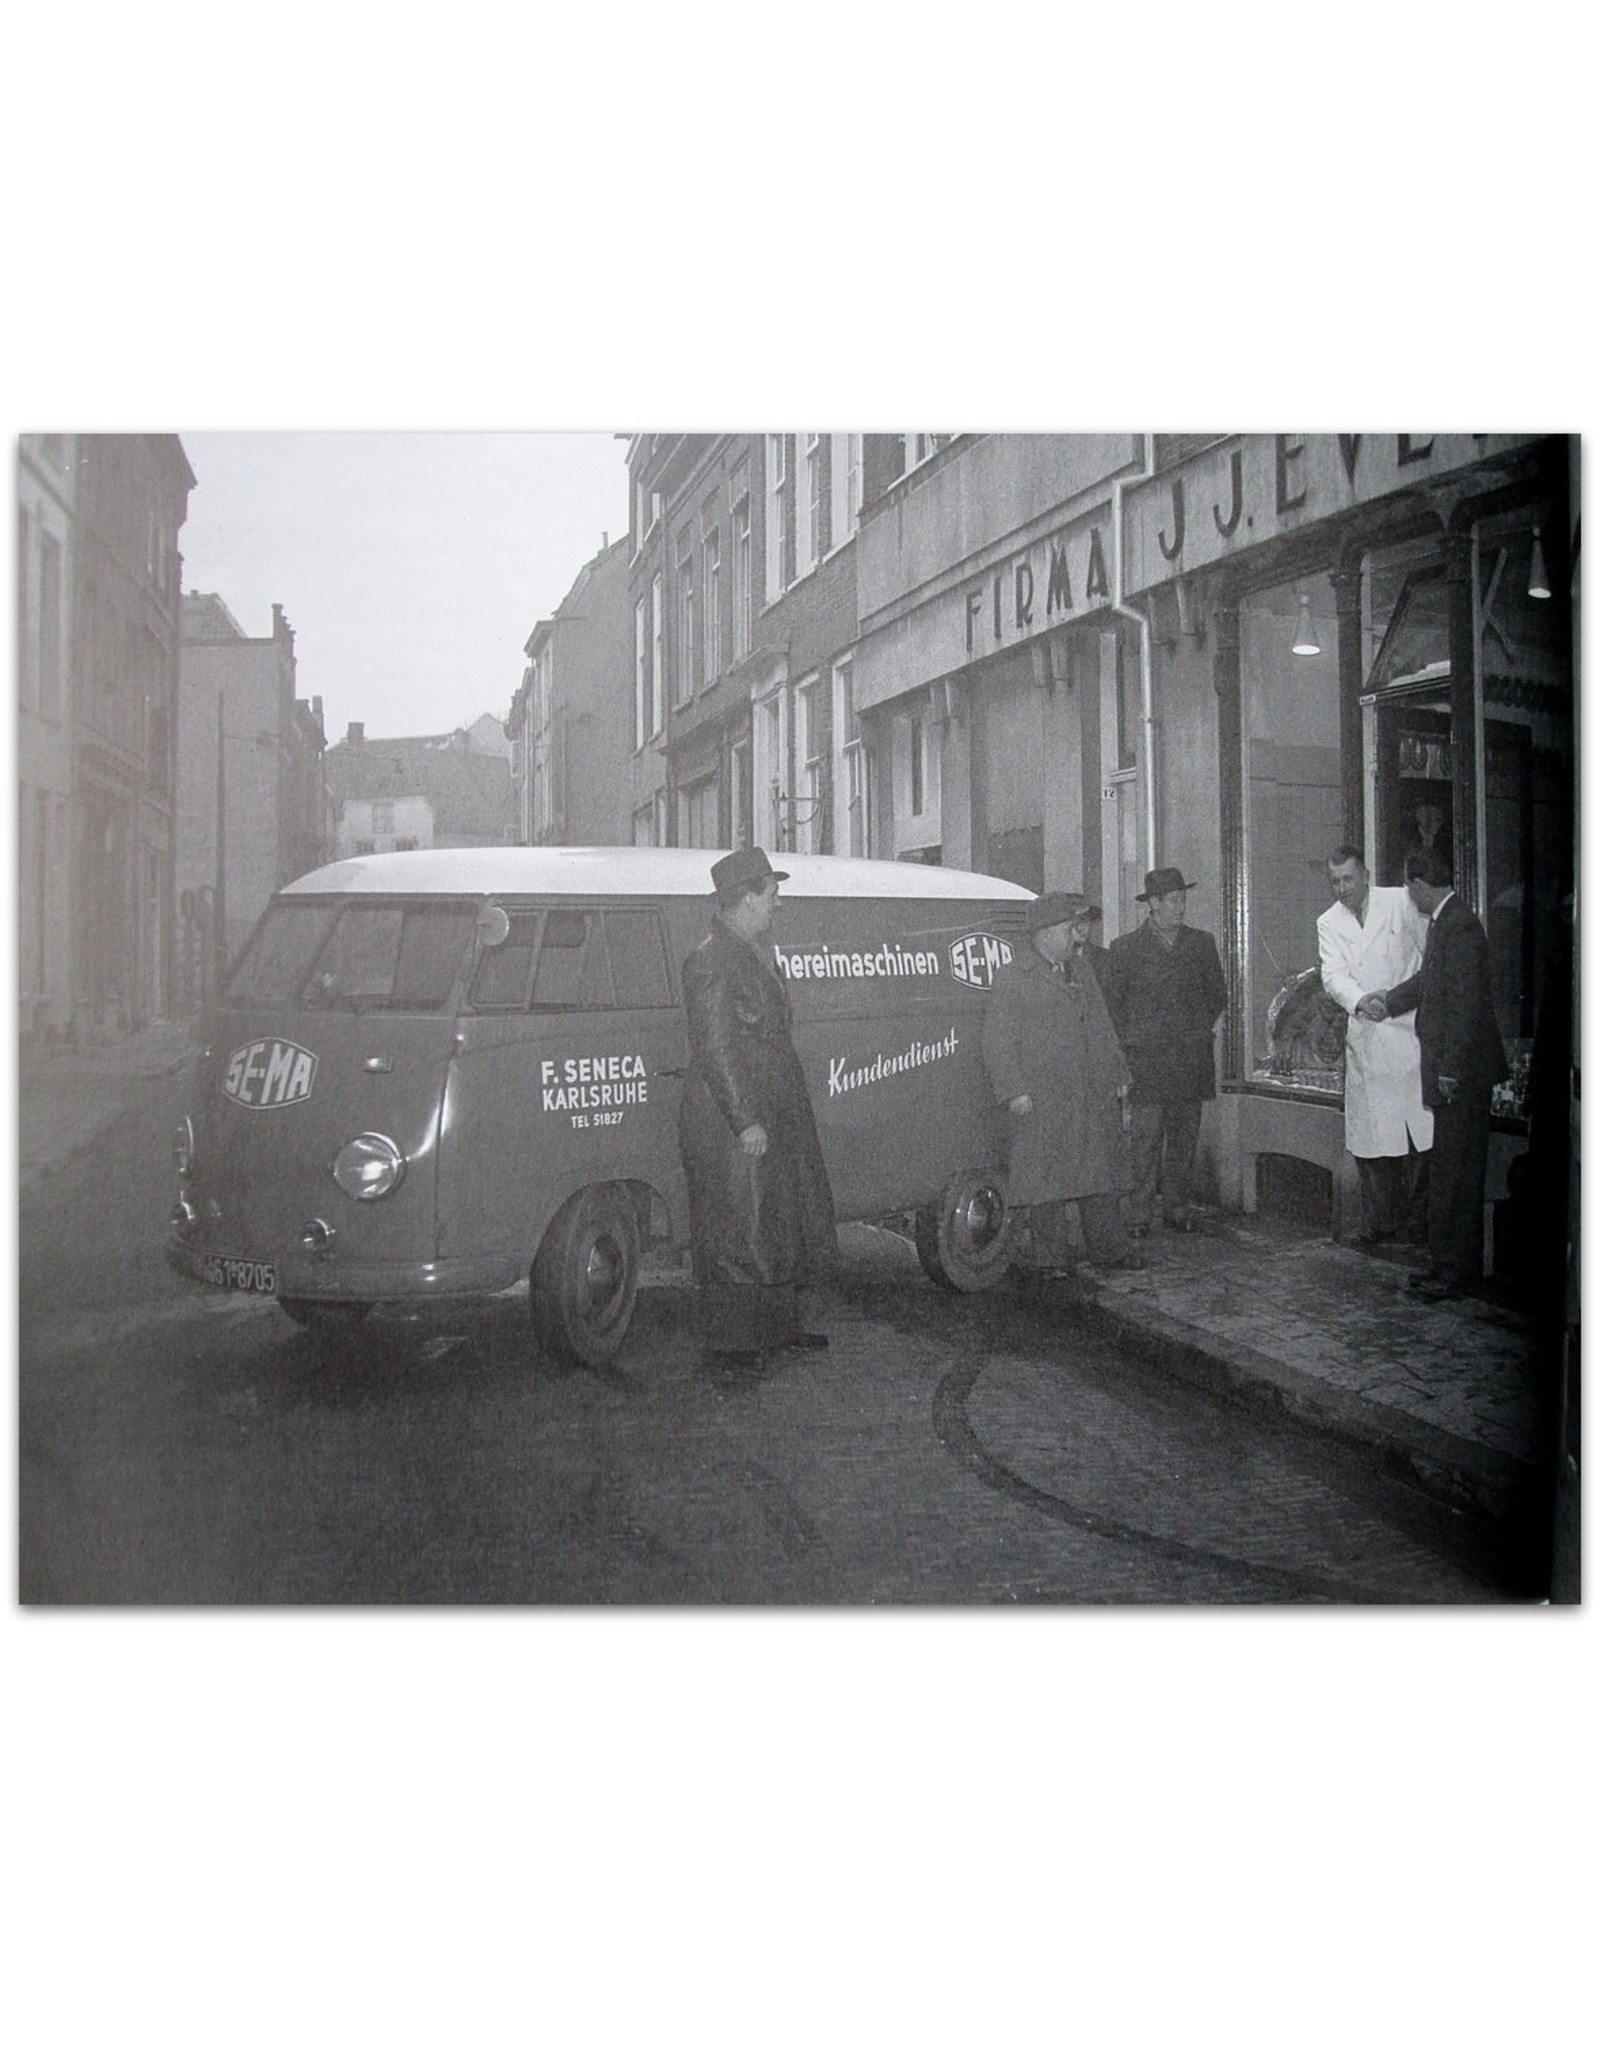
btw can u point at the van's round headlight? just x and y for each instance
(369, 1167)
(183, 1146)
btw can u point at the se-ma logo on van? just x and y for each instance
(269, 1073)
(976, 958)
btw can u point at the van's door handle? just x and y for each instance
(672, 1073)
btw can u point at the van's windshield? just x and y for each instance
(368, 955)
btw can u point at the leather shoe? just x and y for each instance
(808, 1340)
(1369, 1240)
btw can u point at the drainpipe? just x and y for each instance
(1119, 604)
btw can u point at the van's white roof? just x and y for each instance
(631, 871)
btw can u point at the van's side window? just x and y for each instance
(576, 960)
(432, 940)
(501, 979)
(572, 972)
(638, 960)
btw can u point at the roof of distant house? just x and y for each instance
(467, 790)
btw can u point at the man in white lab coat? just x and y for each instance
(1366, 939)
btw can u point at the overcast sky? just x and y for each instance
(412, 566)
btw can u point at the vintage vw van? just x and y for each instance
(438, 1075)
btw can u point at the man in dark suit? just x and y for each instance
(760, 1207)
(1462, 1059)
(1165, 991)
(1093, 951)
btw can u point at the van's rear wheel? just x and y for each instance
(964, 1243)
(585, 1279)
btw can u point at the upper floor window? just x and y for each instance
(647, 507)
(812, 507)
(641, 675)
(769, 724)
(889, 457)
(780, 515)
(844, 486)
(805, 805)
(743, 574)
(848, 809)
(657, 632)
(711, 630)
(740, 802)
(697, 813)
(919, 447)
(687, 677)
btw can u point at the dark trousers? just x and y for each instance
(1164, 1137)
(1460, 1159)
(1105, 1240)
(1394, 1194)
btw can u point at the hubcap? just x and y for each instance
(602, 1275)
(981, 1217)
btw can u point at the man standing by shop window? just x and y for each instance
(1051, 1058)
(1165, 992)
(1369, 939)
(1462, 1059)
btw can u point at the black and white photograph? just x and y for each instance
(798, 889)
(926, 1017)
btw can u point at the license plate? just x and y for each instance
(244, 1276)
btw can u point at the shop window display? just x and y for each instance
(1293, 817)
(1518, 776)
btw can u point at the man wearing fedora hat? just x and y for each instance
(760, 1208)
(1055, 1067)
(1165, 992)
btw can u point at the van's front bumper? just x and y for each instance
(333, 1280)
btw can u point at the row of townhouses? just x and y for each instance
(1067, 659)
(99, 611)
(170, 778)
(1063, 659)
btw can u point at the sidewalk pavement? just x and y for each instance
(1265, 1311)
(1462, 1391)
(67, 1095)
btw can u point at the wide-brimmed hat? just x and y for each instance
(1163, 882)
(749, 868)
(1060, 906)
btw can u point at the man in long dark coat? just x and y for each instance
(1463, 1057)
(1165, 992)
(760, 1207)
(1053, 1062)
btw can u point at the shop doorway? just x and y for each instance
(1413, 777)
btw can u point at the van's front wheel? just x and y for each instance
(585, 1279)
(964, 1242)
